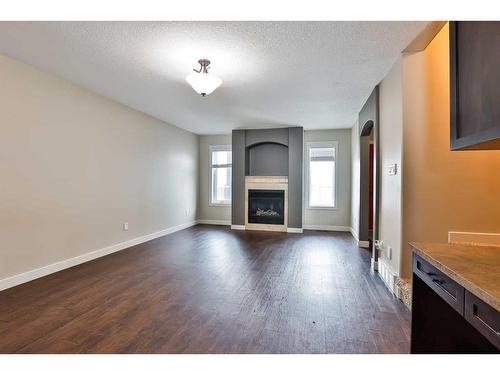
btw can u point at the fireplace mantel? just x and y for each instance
(266, 183)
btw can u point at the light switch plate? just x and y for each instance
(393, 169)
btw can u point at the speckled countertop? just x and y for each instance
(476, 268)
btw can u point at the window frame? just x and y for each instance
(211, 149)
(335, 146)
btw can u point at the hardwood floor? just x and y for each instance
(208, 289)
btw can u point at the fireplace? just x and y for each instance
(266, 206)
(266, 203)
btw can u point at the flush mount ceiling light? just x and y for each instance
(203, 82)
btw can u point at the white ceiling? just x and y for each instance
(314, 74)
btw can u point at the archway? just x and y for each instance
(368, 231)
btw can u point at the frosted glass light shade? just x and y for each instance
(203, 83)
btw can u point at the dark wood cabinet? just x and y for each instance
(445, 287)
(475, 85)
(447, 318)
(483, 317)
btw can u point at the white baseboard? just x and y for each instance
(364, 244)
(356, 238)
(354, 234)
(237, 227)
(214, 222)
(332, 228)
(12, 281)
(472, 238)
(387, 274)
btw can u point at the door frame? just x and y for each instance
(369, 122)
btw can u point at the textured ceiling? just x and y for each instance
(313, 74)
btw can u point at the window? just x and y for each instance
(220, 175)
(321, 174)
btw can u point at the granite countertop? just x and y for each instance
(476, 268)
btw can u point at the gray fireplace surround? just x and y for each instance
(268, 152)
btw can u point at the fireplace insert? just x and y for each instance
(266, 206)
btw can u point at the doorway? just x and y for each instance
(368, 207)
(369, 178)
(370, 195)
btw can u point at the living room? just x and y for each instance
(249, 187)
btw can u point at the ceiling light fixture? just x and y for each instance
(203, 82)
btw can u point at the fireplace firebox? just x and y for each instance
(266, 206)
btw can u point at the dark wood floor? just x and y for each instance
(207, 289)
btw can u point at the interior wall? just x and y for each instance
(355, 174)
(341, 215)
(275, 135)
(442, 190)
(295, 176)
(391, 140)
(75, 166)
(243, 138)
(205, 210)
(369, 114)
(268, 159)
(238, 177)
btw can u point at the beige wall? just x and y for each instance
(205, 210)
(340, 216)
(355, 177)
(391, 139)
(442, 190)
(75, 166)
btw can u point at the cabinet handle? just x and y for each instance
(438, 281)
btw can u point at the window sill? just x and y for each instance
(219, 204)
(321, 208)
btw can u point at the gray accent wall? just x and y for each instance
(260, 152)
(267, 159)
(255, 136)
(295, 176)
(238, 176)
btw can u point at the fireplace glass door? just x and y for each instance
(266, 206)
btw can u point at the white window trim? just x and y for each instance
(211, 149)
(309, 145)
